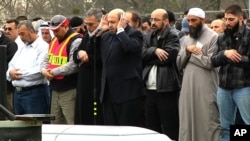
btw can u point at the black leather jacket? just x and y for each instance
(168, 76)
(10, 50)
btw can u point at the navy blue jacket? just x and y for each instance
(121, 55)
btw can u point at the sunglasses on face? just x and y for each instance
(8, 28)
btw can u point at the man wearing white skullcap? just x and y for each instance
(199, 115)
(197, 12)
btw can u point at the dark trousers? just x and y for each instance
(127, 113)
(33, 101)
(9, 101)
(162, 112)
(88, 110)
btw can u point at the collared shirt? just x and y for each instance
(19, 42)
(119, 30)
(28, 59)
(151, 82)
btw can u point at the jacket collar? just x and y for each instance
(127, 27)
(241, 30)
(69, 32)
(165, 32)
(239, 33)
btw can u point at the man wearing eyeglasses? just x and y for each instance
(11, 50)
(61, 70)
(161, 76)
(89, 76)
(12, 32)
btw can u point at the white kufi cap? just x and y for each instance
(196, 12)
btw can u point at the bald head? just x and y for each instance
(113, 19)
(160, 13)
(159, 20)
(218, 25)
(116, 13)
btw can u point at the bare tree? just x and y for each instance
(48, 8)
(39, 8)
(7, 7)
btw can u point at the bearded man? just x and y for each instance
(199, 115)
(233, 58)
(161, 76)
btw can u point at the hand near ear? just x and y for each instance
(122, 22)
(104, 23)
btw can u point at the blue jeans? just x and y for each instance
(228, 101)
(32, 101)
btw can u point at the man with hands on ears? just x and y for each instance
(121, 54)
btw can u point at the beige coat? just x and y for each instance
(199, 115)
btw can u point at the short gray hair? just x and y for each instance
(94, 12)
(27, 23)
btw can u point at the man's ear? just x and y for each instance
(166, 21)
(241, 18)
(203, 20)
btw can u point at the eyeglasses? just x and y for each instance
(90, 24)
(8, 28)
(155, 19)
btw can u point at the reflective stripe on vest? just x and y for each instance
(58, 55)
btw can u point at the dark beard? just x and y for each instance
(82, 31)
(195, 32)
(234, 30)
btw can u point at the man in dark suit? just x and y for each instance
(121, 86)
